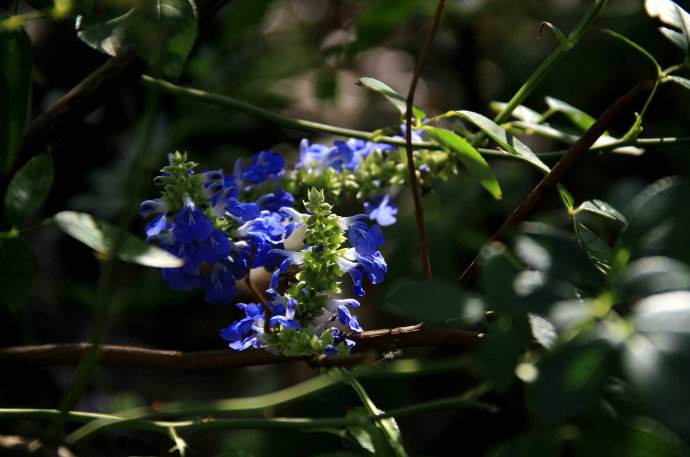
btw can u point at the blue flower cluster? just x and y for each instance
(225, 224)
(219, 237)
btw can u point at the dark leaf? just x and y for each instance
(28, 189)
(16, 271)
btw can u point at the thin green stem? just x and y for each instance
(549, 63)
(275, 118)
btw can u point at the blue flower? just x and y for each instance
(191, 223)
(338, 337)
(215, 247)
(220, 284)
(382, 209)
(339, 307)
(151, 207)
(361, 266)
(275, 200)
(264, 165)
(237, 333)
(311, 155)
(291, 258)
(365, 239)
(283, 310)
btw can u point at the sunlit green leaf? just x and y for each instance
(28, 189)
(103, 237)
(670, 14)
(15, 93)
(576, 116)
(653, 275)
(503, 138)
(522, 112)
(382, 88)
(435, 302)
(684, 82)
(16, 271)
(603, 209)
(470, 158)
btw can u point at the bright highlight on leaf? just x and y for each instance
(669, 13)
(104, 238)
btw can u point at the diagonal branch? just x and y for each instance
(556, 174)
(178, 361)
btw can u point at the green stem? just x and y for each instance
(278, 119)
(388, 426)
(549, 63)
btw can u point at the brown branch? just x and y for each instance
(179, 361)
(419, 213)
(556, 174)
(106, 81)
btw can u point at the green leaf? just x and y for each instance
(102, 237)
(555, 253)
(382, 88)
(591, 241)
(670, 14)
(28, 189)
(503, 138)
(522, 112)
(570, 379)
(16, 271)
(603, 209)
(653, 275)
(684, 82)
(435, 303)
(576, 116)
(164, 32)
(470, 158)
(657, 358)
(15, 93)
(659, 220)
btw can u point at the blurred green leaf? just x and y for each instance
(581, 119)
(16, 271)
(670, 14)
(570, 379)
(653, 275)
(15, 92)
(382, 88)
(657, 358)
(605, 441)
(436, 303)
(470, 158)
(105, 32)
(102, 237)
(522, 112)
(658, 221)
(603, 209)
(381, 18)
(592, 242)
(503, 138)
(544, 248)
(29, 189)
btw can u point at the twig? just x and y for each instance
(554, 176)
(419, 213)
(166, 360)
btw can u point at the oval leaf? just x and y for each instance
(382, 88)
(29, 189)
(603, 209)
(15, 93)
(503, 138)
(470, 158)
(102, 237)
(16, 271)
(576, 116)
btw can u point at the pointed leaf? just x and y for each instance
(603, 209)
(102, 237)
(503, 138)
(16, 271)
(522, 112)
(576, 116)
(684, 82)
(28, 189)
(470, 158)
(671, 14)
(382, 88)
(15, 93)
